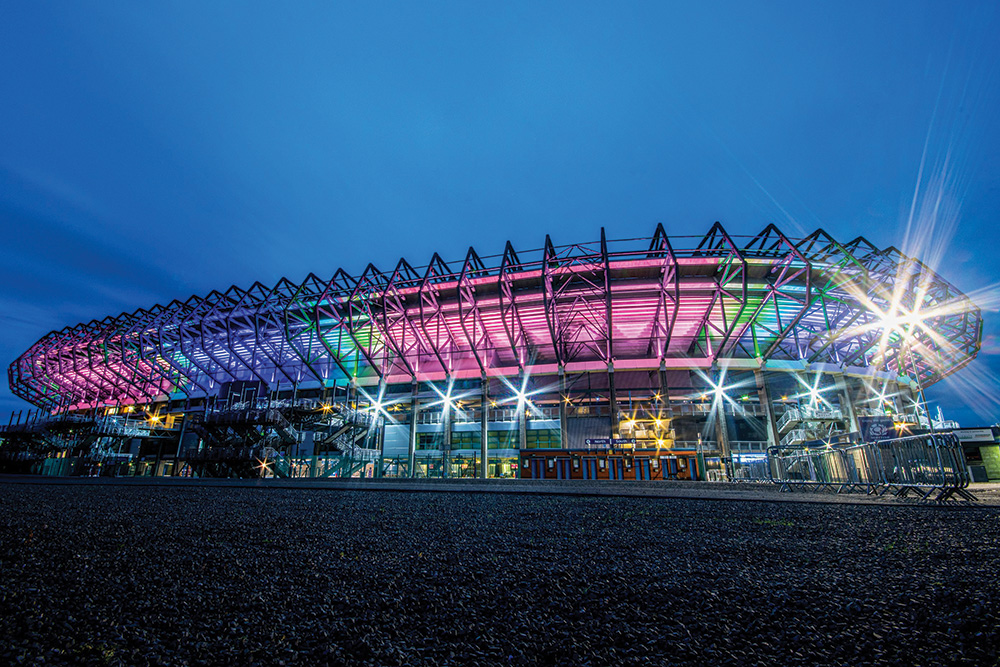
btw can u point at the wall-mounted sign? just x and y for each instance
(975, 434)
(610, 442)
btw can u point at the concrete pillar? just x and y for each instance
(484, 443)
(764, 392)
(411, 450)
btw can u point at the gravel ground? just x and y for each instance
(189, 575)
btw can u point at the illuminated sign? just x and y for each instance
(610, 442)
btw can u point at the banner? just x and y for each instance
(874, 429)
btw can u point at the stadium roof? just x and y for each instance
(766, 301)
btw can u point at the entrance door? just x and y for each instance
(616, 468)
(590, 468)
(642, 470)
(562, 469)
(537, 469)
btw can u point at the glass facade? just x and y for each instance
(498, 439)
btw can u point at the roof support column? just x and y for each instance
(351, 396)
(924, 409)
(180, 444)
(895, 398)
(662, 402)
(722, 437)
(446, 445)
(522, 419)
(379, 444)
(378, 421)
(411, 449)
(613, 401)
(764, 392)
(563, 409)
(484, 445)
(351, 392)
(847, 403)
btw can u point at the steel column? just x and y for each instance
(613, 401)
(848, 402)
(484, 446)
(563, 410)
(522, 420)
(722, 437)
(446, 444)
(764, 392)
(411, 450)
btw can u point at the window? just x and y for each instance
(503, 439)
(538, 439)
(430, 440)
(465, 440)
(544, 438)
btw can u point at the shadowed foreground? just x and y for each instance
(189, 575)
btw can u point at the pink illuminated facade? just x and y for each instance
(691, 302)
(624, 333)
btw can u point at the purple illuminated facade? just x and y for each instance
(714, 301)
(650, 358)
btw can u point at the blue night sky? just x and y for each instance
(149, 151)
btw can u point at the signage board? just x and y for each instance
(609, 442)
(975, 435)
(874, 429)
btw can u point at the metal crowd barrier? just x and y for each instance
(933, 463)
(750, 470)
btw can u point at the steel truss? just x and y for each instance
(637, 303)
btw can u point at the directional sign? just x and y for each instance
(612, 442)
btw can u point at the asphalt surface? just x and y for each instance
(986, 494)
(133, 572)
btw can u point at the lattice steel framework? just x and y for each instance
(765, 301)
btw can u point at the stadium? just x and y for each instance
(681, 357)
